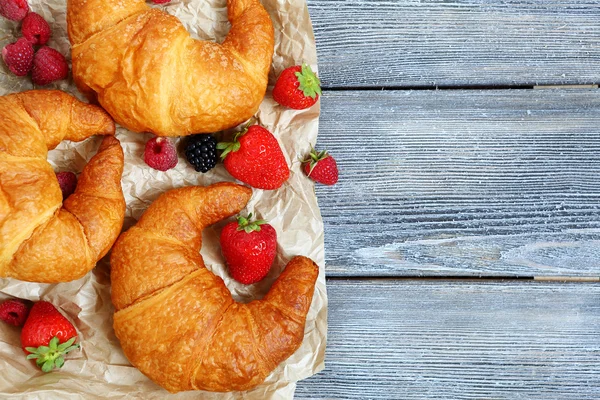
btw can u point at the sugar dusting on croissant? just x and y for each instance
(42, 239)
(177, 322)
(144, 68)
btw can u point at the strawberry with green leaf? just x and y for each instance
(297, 87)
(321, 167)
(47, 336)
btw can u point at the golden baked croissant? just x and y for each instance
(149, 74)
(42, 239)
(177, 322)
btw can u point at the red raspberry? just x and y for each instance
(18, 56)
(67, 182)
(36, 29)
(14, 312)
(14, 10)
(160, 154)
(48, 66)
(321, 167)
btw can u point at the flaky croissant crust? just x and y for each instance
(151, 76)
(42, 239)
(177, 322)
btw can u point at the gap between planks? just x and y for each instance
(458, 87)
(541, 278)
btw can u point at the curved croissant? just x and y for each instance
(177, 322)
(144, 68)
(42, 239)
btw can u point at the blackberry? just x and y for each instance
(201, 152)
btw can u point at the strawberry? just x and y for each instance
(15, 10)
(48, 66)
(249, 248)
(35, 29)
(297, 87)
(160, 154)
(321, 167)
(18, 56)
(255, 158)
(14, 312)
(47, 336)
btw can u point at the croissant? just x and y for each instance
(143, 67)
(43, 239)
(177, 322)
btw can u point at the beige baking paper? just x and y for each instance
(101, 370)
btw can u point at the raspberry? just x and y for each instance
(201, 152)
(14, 10)
(67, 182)
(36, 29)
(48, 66)
(161, 1)
(160, 154)
(14, 312)
(18, 56)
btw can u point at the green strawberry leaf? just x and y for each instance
(309, 82)
(313, 158)
(51, 356)
(248, 226)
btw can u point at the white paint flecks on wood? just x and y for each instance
(462, 183)
(398, 339)
(463, 42)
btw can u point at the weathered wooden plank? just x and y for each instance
(462, 183)
(398, 339)
(460, 42)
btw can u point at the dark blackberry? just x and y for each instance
(201, 152)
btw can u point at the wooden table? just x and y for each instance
(463, 239)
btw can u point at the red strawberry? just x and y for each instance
(297, 87)
(249, 249)
(47, 336)
(255, 158)
(36, 29)
(18, 56)
(14, 10)
(48, 66)
(14, 312)
(321, 167)
(67, 182)
(160, 154)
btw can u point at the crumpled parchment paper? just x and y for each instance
(100, 370)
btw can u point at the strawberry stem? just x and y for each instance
(245, 224)
(51, 356)
(309, 82)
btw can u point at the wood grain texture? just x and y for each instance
(462, 183)
(395, 339)
(461, 42)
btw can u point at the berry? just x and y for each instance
(48, 66)
(201, 152)
(321, 167)
(14, 10)
(47, 336)
(18, 56)
(249, 249)
(160, 154)
(14, 312)
(35, 29)
(67, 182)
(161, 1)
(255, 158)
(297, 87)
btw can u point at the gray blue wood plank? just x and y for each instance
(398, 339)
(411, 43)
(462, 183)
